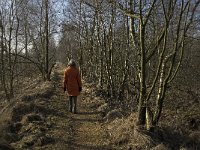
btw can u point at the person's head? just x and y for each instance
(72, 63)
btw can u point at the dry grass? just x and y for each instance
(179, 126)
(38, 119)
(124, 134)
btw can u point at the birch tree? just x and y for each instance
(165, 47)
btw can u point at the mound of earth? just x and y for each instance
(39, 119)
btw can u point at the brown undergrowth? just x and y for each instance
(38, 119)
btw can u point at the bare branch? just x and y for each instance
(124, 10)
(149, 12)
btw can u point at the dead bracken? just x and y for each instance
(40, 119)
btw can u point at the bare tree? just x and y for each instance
(27, 41)
(159, 48)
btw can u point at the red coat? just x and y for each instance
(72, 81)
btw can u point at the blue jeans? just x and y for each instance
(72, 103)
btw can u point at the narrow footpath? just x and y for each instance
(81, 131)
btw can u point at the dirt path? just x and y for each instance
(84, 130)
(38, 119)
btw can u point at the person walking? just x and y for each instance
(72, 84)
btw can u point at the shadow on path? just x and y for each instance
(75, 146)
(85, 127)
(89, 113)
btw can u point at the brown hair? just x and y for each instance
(72, 63)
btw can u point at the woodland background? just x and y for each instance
(135, 51)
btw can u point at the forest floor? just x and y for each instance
(83, 130)
(39, 120)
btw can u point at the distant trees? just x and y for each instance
(40, 35)
(97, 43)
(9, 24)
(27, 41)
(131, 48)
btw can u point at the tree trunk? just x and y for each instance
(47, 74)
(142, 74)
